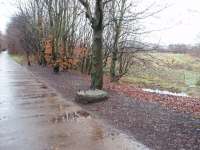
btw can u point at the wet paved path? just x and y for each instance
(35, 117)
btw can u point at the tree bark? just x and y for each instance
(117, 32)
(114, 56)
(28, 58)
(96, 21)
(97, 60)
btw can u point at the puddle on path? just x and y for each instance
(36, 96)
(165, 92)
(3, 118)
(70, 116)
(97, 134)
(43, 87)
(33, 116)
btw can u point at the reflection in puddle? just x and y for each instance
(52, 99)
(38, 96)
(70, 116)
(165, 92)
(2, 118)
(97, 134)
(32, 103)
(33, 116)
(83, 113)
(44, 87)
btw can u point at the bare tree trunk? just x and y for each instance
(114, 57)
(28, 58)
(97, 62)
(117, 33)
(39, 6)
(97, 45)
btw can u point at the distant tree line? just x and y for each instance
(3, 44)
(179, 48)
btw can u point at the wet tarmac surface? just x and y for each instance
(33, 116)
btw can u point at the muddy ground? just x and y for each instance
(154, 125)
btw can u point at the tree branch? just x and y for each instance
(88, 12)
(105, 2)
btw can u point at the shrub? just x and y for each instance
(198, 83)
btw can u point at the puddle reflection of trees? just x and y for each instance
(70, 116)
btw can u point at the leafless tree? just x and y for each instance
(122, 35)
(110, 30)
(95, 14)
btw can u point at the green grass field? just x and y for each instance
(19, 58)
(167, 71)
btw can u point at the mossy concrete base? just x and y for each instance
(91, 96)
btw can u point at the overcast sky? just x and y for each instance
(7, 9)
(179, 23)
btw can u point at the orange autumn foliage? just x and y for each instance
(65, 62)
